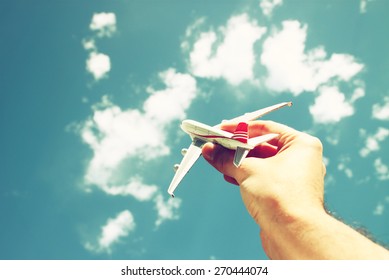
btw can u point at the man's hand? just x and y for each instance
(282, 186)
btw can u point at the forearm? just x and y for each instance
(318, 236)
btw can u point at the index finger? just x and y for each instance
(286, 133)
(260, 127)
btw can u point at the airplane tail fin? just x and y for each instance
(241, 132)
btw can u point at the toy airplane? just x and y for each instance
(238, 141)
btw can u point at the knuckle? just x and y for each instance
(312, 141)
(317, 143)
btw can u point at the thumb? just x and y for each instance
(220, 158)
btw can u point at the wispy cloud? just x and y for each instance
(363, 6)
(166, 209)
(227, 53)
(135, 187)
(382, 170)
(381, 110)
(379, 210)
(89, 44)
(343, 165)
(268, 6)
(373, 142)
(111, 233)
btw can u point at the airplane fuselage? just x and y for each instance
(206, 133)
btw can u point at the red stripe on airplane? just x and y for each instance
(241, 132)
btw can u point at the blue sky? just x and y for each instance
(92, 94)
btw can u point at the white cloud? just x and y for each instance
(122, 140)
(104, 24)
(89, 44)
(268, 6)
(191, 32)
(98, 64)
(229, 53)
(233, 58)
(381, 111)
(363, 6)
(166, 209)
(330, 106)
(115, 229)
(164, 106)
(382, 169)
(116, 135)
(372, 143)
(359, 92)
(135, 188)
(343, 166)
(291, 68)
(379, 210)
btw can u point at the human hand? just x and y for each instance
(282, 186)
(279, 180)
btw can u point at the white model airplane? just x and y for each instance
(239, 141)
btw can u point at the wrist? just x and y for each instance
(292, 212)
(317, 235)
(293, 233)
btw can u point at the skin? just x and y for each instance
(282, 186)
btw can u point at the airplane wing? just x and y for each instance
(255, 141)
(191, 156)
(240, 155)
(257, 114)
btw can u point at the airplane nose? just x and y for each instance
(185, 126)
(186, 122)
